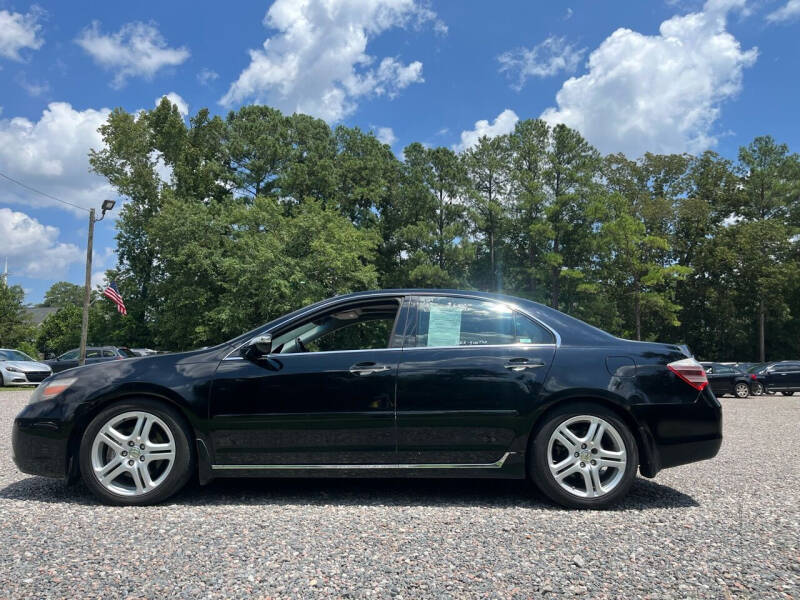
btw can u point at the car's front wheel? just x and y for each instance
(583, 456)
(742, 390)
(758, 389)
(136, 452)
(788, 393)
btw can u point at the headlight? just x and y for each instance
(13, 369)
(50, 389)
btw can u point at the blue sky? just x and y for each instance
(665, 76)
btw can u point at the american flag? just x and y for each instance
(113, 293)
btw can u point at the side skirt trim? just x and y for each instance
(495, 465)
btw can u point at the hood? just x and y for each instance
(25, 365)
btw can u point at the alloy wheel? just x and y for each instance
(586, 456)
(133, 453)
(742, 390)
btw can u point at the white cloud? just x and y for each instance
(503, 123)
(657, 93)
(542, 60)
(51, 154)
(33, 249)
(18, 31)
(569, 14)
(385, 135)
(788, 12)
(317, 61)
(33, 88)
(175, 98)
(206, 76)
(136, 50)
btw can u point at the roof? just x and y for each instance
(37, 314)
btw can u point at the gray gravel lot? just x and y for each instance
(729, 527)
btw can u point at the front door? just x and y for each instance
(324, 396)
(471, 370)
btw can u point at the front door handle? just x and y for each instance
(520, 364)
(368, 368)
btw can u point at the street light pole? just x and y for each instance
(87, 292)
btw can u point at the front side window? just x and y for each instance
(93, 353)
(358, 327)
(71, 355)
(444, 321)
(108, 354)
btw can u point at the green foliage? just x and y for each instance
(60, 331)
(63, 293)
(264, 212)
(28, 348)
(14, 324)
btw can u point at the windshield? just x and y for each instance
(127, 352)
(15, 355)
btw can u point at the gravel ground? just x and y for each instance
(729, 527)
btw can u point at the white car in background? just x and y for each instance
(17, 368)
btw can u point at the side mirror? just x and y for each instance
(259, 346)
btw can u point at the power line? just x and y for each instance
(41, 193)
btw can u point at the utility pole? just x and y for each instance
(87, 292)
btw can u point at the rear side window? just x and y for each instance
(108, 354)
(444, 321)
(93, 354)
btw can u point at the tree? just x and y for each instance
(14, 324)
(63, 293)
(570, 181)
(434, 231)
(60, 331)
(488, 164)
(770, 186)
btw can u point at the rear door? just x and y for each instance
(720, 378)
(471, 368)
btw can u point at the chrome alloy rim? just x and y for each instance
(133, 453)
(742, 390)
(586, 456)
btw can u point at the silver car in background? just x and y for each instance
(17, 368)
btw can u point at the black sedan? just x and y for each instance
(782, 376)
(726, 379)
(94, 354)
(420, 383)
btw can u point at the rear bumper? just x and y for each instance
(39, 447)
(677, 434)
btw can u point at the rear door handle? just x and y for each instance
(368, 368)
(520, 364)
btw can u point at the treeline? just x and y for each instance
(234, 221)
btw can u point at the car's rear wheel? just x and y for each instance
(742, 390)
(788, 393)
(136, 452)
(583, 456)
(758, 389)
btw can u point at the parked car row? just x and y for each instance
(753, 379)
(94, 354)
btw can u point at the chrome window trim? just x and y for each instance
(498, 464)
(510, 305)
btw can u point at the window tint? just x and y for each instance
(786, 368)
(93, 353)
(71, 355)
(443, 321)
(108, 354)
(361, 327)
(724, 369)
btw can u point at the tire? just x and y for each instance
(144, 451)
(548, 450)
(758, 389)
(741, 390)
(788, 393)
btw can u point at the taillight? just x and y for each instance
(753, 376)
(690, 371)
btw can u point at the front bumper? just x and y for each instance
(40, 447)
(21, 378)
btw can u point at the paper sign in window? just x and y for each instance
(444, 326)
